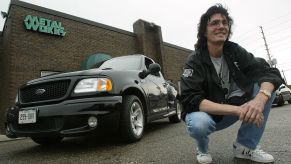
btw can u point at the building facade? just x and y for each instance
(36, 39)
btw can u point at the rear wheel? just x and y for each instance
(177, 117)
(47, 140)
(289, 101)
(132, 119)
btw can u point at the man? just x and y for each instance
(223, 83)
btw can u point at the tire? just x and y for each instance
(8, 132)
(289, 101)
(177, 117)
(280, 100)
(132, 119)
(47, 140)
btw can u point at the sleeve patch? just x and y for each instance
(188, 72)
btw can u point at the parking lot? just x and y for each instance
(163, 143)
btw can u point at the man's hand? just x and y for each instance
(252, 111)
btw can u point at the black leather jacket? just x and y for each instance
(200, 81)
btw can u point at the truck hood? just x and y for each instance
(90, 72)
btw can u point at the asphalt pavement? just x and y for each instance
(163, 143)
(3, 138)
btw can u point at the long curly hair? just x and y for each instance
(216, 9)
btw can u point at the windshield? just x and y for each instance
(123, 63)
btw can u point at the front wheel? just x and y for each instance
(132, 119)
(280, 100)
(47, 140)
(177, 117)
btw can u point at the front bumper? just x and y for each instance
(68, 118)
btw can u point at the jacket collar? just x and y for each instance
(205, 56)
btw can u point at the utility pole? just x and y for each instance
(267, 49)
(284, 77)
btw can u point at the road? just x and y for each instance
(163, 143)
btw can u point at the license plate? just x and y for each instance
(27, 116)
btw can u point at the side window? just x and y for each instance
(147, 64)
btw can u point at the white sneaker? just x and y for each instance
(257, 155)
(203, 158)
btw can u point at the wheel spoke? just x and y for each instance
(138, 124)
(136, 112)
(136, 119)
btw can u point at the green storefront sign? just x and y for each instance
(39, 24)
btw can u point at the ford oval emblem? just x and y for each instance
(39, 91)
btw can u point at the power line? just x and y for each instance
(282, 48)
(284, 63)
(246, 35)
(278, 18)
(250, 41)
(277, 32)
(261, 46)
(278, 40)
(267, 24)
(274, 33)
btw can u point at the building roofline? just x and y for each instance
(68, 16)
(177, 47)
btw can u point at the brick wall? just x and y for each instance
(5, 97)
(25, 53)
(1, 79)
(174, 59)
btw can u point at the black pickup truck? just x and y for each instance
(123, 94)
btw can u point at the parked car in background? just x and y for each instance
(283, 93)
(123, 94)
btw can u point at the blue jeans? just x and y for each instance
(200, 125)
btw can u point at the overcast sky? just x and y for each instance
(178, 20)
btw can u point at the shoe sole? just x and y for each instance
(252, 159)
(204, 162)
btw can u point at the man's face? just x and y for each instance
(217, 29)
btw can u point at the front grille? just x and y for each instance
(285, 93)
(44, 91)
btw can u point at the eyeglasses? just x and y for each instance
(216, 23)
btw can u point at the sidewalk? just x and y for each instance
(3, 138)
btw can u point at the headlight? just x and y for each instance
(93, 85)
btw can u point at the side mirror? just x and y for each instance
(153, 69)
